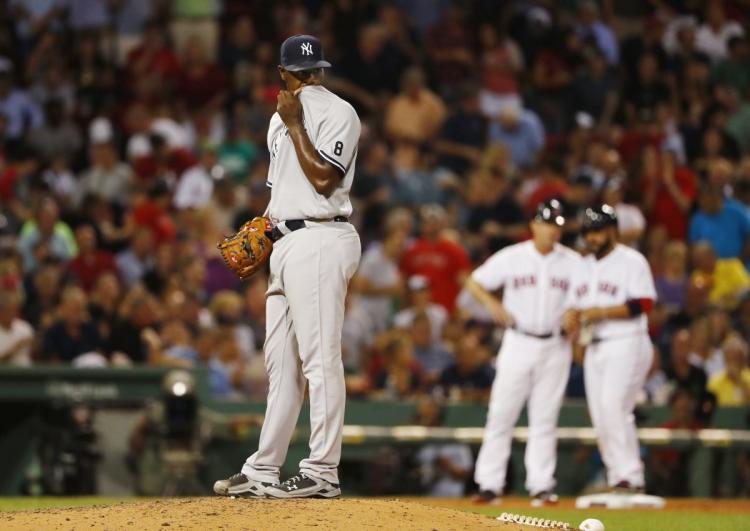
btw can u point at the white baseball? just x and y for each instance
(591, 524)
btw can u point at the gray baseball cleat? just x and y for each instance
(544, 498)
(241, 486)
(304, 486)
(487, 497)
(625, 487)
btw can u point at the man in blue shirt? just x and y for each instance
(723, 223)
(521, 131)
(18, 108)
(590, 27)
(471, 375)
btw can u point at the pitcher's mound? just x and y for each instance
(224, 513)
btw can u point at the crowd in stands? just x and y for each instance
(132, 137)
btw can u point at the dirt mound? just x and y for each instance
(223, 513)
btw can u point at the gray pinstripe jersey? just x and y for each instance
(333, 127)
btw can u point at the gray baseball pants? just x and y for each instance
(310, 272)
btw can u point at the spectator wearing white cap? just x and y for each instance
(420, 296)
(630, 220)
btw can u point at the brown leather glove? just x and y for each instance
(249, 249)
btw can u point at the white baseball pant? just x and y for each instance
(527, 369)
(614, 371)
(310, 272)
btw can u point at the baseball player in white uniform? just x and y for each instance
(612, 296)
(312, 140)
(534, 360)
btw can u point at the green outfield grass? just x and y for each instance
(639, 520)
(29, 503)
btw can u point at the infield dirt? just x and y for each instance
(213, 513)
(223, 513)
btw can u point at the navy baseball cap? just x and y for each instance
(598, 218)
(550, 212)
(302, 52)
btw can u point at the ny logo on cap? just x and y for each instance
(307, 48)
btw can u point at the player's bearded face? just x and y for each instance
(599, 242)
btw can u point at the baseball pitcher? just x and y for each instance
(534, 360)
(613, 293)
(312, 140)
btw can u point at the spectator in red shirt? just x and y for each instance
(449, 47)
(91, 261)
(669, 190)
(15, 172)
(8, 180)
(153, 213)
(164, 161)
(645, 133)
(201, 83)
(153, 58)
(444, 262)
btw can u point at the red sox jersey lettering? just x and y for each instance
(536, 286)
(607, 288)
(530, 281)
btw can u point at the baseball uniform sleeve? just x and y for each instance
(338, 136)
(640, 283)
(493, 273)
